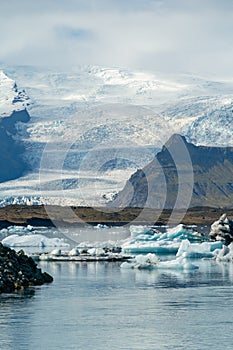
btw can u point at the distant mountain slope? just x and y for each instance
(12, 111)
(109, 122)
(204, 179)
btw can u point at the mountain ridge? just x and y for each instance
(116, 120)
(206, 177)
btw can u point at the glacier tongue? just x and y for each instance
(106, 112)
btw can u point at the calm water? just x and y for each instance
(99, 306)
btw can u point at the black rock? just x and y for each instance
(18, 271)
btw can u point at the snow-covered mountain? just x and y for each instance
(91, 127)
(11, 99)
(12, 111)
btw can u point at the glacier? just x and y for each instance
(101, 124)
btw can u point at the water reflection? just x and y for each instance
(14, 321)
(99, 305)
(210, 273)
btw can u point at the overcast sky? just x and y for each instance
(156, 35)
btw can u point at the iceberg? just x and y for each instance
(96, 252)
(101, 226)
(33, 240)
(136, 230)
(149, 240)
(151, 261)
(23, 229)
(198, 250)
(225, 254)
(160, 247)
(222, 230)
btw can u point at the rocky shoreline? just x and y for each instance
(37, 216)
(18, 271)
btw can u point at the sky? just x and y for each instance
(167, 36)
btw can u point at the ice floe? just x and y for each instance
(222, 230)
(225, 254)
(149, 240)
(151, 261)
(33, 240)
(198, 250)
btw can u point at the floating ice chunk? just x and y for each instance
(148, 261)
(198, 250)
(126, 265)
(56, 252)
(226, 253)
(96, 252)
(148, 240)
(159, 247)
(101, 226)
(136, 230)
(222, 229)
(151, 261)
(177, 264)
(33, 240)
(182, 232)
(74, 252)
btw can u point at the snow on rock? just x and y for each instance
(34, 240)
(222, 230)
(11, 99)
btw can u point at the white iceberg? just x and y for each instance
(101, 226)
(159, 247)
(74, 252)
(148, 240)
(136, 230)
(225, 254)
(151, 261)
(96, 252)
(34, 240)
(222, 230)
(198, 250)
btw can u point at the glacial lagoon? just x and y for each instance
(98, 305)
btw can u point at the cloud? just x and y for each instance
(167, 36)
(73, 33)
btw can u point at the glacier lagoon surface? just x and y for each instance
(98, 305)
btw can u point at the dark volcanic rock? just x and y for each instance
(18, 271)
(11, 156)
(182, 175)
